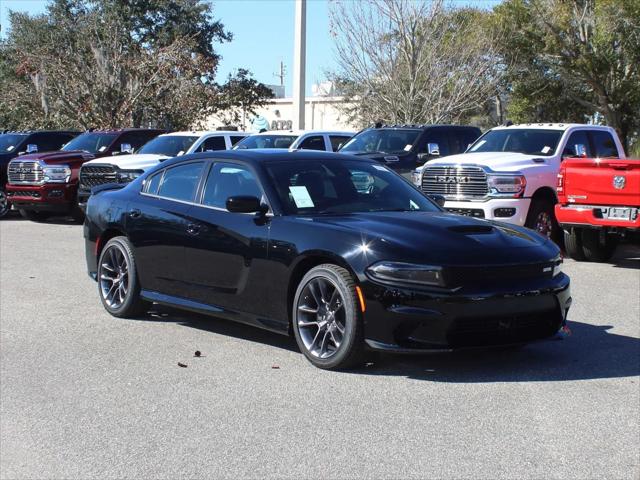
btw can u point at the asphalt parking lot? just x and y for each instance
(86, 395)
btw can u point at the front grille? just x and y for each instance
(92, 175)
(472, 275)
(455, 182)
(25, 173)
(504, 329)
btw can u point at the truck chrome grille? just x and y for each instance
(25, 173)
(455, 182)
(92, 175)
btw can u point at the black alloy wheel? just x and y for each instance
(327, 320)
(118, 283)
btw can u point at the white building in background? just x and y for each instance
(322, 111)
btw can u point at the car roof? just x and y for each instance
(304, 132)
(201, 133)
(551, 126)
(266, 155)
(421, 127)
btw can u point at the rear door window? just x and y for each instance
(181, 182)
(313, 142)
(337, 141)
(227, 180)
(604, 144)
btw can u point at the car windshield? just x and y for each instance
(382, 140)
(91, 142)
(169, 145)
(522, 140)
(9, 142)
(266, 141)
(318, 187)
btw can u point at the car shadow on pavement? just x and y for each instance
(591, 352)
(627, 256)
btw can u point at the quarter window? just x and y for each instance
(315, 142)
(235, 139)
(181, 182)
(604, 144)
(153, 182)
(212, 143)
(227, 180)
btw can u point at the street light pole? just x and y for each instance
(299, 60)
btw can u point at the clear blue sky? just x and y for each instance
(263, 35)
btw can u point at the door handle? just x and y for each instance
(134, 213)
(194, 228)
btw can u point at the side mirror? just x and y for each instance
(126, 148)
(245, 204)
(115, 153)
(32, 148)
(439, 199)
(433, 149)
(580, 150)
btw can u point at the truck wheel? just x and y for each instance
(118, 283)
(327, 321)
(34, 216)
(596, 248)
(542, 219)
(573, 244)
(4, 203)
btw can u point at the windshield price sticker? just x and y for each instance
(407, 147)
(102, 149)
(301, 197)
(546, 149)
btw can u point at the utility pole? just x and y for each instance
(281, 74)
(299, 60)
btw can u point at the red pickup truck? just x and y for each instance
(598, 204)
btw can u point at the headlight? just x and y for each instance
(557, 266)
(396, 272)
(125, 176)
(415, 177)
(507, 185)
(56, 174)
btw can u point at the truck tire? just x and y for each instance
(597, 249)
(34, 216)
(77, 214)
(4, 204)
(542, 219)
(573, 243)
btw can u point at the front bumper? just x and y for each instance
(50, 197)
(491, 209)
(592, 216)
(403, 320)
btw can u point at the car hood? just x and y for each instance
(441, 238)
(136, 161)
(497, 161)
(54, 158)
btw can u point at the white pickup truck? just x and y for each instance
(510, 172)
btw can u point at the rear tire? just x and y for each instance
(118, 284)
(597, 249)
(77, 214)
(5, 208)
(327, 321)
(34, 216)
(542, 219)
(573, 244)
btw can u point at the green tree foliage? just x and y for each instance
(239, 97)
(570, 59)
(112, 63)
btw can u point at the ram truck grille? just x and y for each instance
(25, 173)
(93, 175)
(455, 183)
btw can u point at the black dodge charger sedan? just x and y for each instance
(337, 250)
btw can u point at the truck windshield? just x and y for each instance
(10, 142)
(91, 142)
(519, 140)
(169, 145)
(266, 141)
(382, 140)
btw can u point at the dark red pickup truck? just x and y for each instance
(598, 204)
(45, 183)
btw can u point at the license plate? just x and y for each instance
(619, 214)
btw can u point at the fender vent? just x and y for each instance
(472, 229)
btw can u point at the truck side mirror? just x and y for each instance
(126, 148)
(580, 150)
(433, 149)
(32, 148)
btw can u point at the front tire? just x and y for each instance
(542, 219)
(573, 244)
(118, 284)
(597, 248)
(327, 321)
(4, 203)
(34, 215)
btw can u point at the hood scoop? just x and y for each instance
(471, 229)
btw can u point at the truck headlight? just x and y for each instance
(508, 185)
(557, 266)
(56, 174)
(126, 176)
(415, 177)
(410, 273)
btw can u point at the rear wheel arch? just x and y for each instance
(105, 237)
